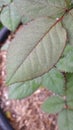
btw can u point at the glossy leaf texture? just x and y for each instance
(65, 120)
(54, 81)
(10, 17)
(53, 105)
(67, 22)
(38, 46)
(33, 9)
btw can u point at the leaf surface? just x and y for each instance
(68, 49)
(66, 63)
(47, 80)
(53, 105)
(35, 49)
(69, 97)
(67, 22)
(23, 90)
(65, 120)
(54, 81)
(4, 2)
(37, 8)
(69, 92)
(10, 17)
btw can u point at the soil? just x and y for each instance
(25, 114)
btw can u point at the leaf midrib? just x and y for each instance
(35, 47)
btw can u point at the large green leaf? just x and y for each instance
(54, 81)
(10, 17)
(66, 63)
(35, 49)
(36, 8)
(67, 21)
(53, 105)
(22, 90)
(65, 120)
